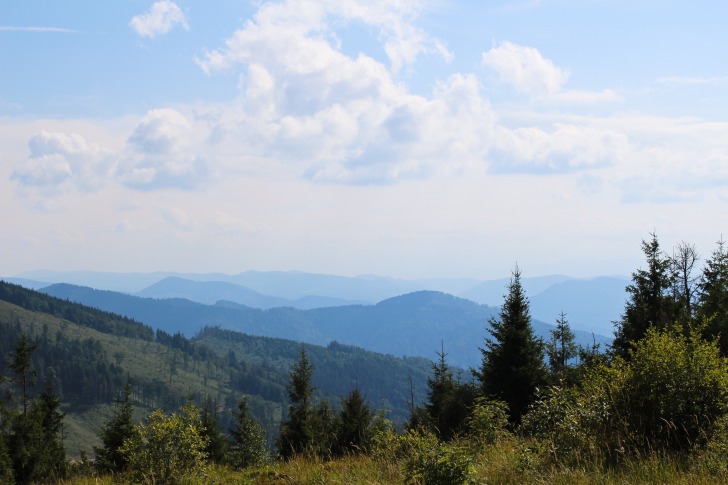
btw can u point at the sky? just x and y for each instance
(404, 138)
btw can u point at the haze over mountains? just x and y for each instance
(398, 317)
(590, 304)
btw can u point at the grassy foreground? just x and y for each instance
(506, 462)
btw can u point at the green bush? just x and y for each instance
(676, 388)
(167, 449)
(487, 420)
(428, 461)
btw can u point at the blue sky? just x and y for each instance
(402, 138)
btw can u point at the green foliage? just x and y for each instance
(665, 399)
(487, 421)
(713, 296)
(431, 462)
(560, 350)
(355, 425)
(448, 402)
(217, 443)
(248, 442)
(296, 432)
(167, 449)
(676, 387)
(33, 436)
(117, 430)
(513, 367)
(651, 302)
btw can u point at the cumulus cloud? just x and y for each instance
(528, 72)
(161, 17)
(62, 160)
(525, 69)
(162, 152)
(566, 148)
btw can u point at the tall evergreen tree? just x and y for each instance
(296, 433)
(713, 296)
(114, 433)
(561, 349)
(512, 367)
(651, 303)
(448, 400)
(21, 364)
(248, 441)
(355, 424)
(217, 443)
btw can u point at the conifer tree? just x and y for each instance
(512, 368)
(713, 296)
(355, 424)
(651, 303)
(561, 348)
(296, 433)
(216, 447)
(448, 400)
(248, 442)
(115, 431)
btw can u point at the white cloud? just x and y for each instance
(164, 152)
(162, 17)
(525, 69)
(564, 149)
(59, 160)
(528, 72)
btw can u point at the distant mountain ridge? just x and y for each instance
(414, 324)
(590, 304)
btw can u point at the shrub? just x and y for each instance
(167, 449)
(487, 420)
(428, 461)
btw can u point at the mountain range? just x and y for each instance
(414, 324)
(591, 305)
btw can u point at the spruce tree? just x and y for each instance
(115, 431)
(512, 368)
(448, 400)
(713, 296)
(296, 433)
(561, 349)
(248, 442)
(355, 424)
(651, 302)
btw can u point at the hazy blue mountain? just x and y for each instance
(491, 292)
(210, 292)
(26, 283)
(413, 324)
(590, 305)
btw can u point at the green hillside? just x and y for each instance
(89, 354)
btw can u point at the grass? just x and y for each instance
(502, 463)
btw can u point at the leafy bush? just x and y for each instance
(426, 460)
(487, 420)
(666, 398)
(167, 449)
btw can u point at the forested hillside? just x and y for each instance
(415, 324)
(89, 354)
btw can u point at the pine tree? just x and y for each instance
(448, 401)
(713, 296)
(296, 433)
(355, 424)
(115, 431)
(651, 303)
(512, 368)
(561, 349)
(216, 447)
(248, 442)
(22, 366)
